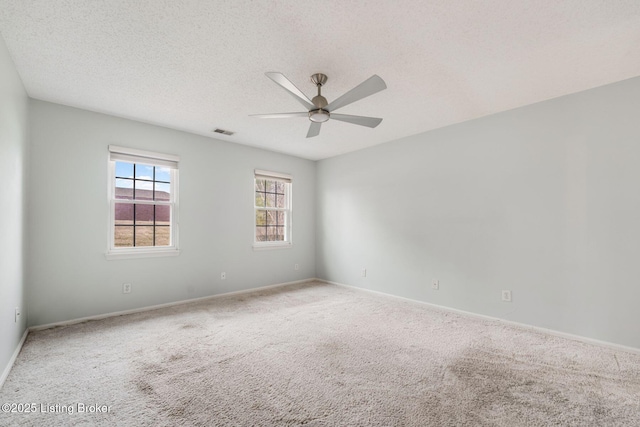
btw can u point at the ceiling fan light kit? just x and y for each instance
(319, 110)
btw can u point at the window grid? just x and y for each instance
(154, 225)
(272, 210)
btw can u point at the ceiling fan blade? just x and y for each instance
(314, 130)
(373, 84)
(281, 80)
(370, 122)
(279, 115)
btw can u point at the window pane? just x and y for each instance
(261, 217)
(124, 213)
(281, 201)
(144, 216)
(163, 236)
(271, 186)
(144, 171)
(123, 236)
(163, 191)
(260, 185)
(271, 234)
(144, 235)
(260, 199)
(271, 200)
(163, 174)
(143, 190)
(280, 231)
(124, 189)
(281, 218)
(280, 187)
(124, 170)
(261, 234)
(271, 218)
(163, 215)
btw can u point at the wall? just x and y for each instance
(70, 276)
(13, 163)
(542, 200)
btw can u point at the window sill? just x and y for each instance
(269, 246)
(130, 254)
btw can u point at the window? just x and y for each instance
(143, 203)
(272, 204)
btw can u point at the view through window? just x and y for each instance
(143, 205)
(272, 208)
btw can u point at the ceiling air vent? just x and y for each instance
(222, 131)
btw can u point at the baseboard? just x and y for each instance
(6, 371)
(553, 332)
(169, 304)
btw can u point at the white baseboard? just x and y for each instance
(553, 332)
(6, 371)
(169, 304)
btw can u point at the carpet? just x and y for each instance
(315, 355)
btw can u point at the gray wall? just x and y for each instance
(70, 277)
(13, 164)
(543, 200)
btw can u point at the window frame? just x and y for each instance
(131, 155)
(288, 227)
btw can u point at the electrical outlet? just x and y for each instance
(126, 288)
(506, 296)
(296, 267)
(223, 275)
(363, 273)
(17, 314)
(435, 284)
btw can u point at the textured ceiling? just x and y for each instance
(197, 65)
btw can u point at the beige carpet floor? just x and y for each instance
(316, 355)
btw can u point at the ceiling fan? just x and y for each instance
(319, 110)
